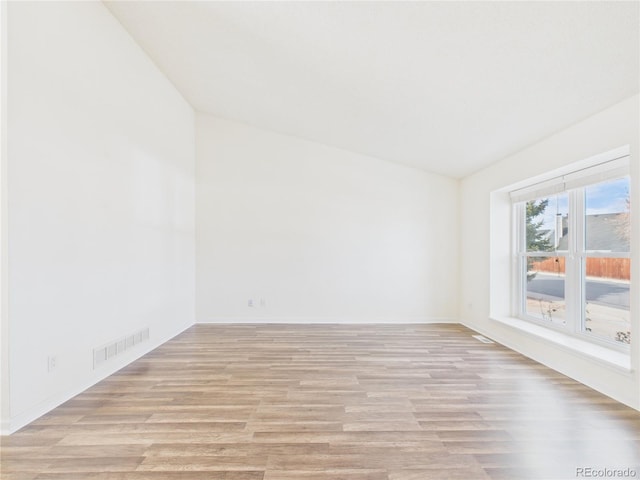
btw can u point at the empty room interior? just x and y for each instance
(319, 240)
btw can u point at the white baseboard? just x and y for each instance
(327, 320)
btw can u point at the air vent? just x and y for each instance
(115, 348)
(482, 338)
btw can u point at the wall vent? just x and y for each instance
(115, 348)
(482, 338)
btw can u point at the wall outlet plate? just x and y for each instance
(52, 362)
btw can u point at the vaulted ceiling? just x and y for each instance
(449, 87)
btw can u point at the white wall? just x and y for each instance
(321, 234)
(484, 251)
(4, 323)
(101, 200)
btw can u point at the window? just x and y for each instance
(572, 261)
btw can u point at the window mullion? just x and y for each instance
(571, 277)
(575, 296)
(519, 294)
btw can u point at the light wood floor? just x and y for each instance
(328, 402)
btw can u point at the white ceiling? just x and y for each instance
(449, 87)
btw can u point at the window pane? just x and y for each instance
(546, 223)
(545, 289)
(607, 225)
(607, 298)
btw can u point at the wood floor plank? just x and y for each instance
(327, 474)
(327, 402)
(202, 463)
(150, 475)
(440, 474)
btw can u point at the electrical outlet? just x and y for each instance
(52, 361)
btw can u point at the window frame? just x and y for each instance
(574, 184)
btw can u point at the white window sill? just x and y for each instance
(604, 355)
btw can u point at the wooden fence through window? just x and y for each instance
(616, 268)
